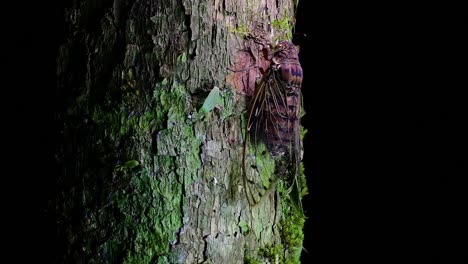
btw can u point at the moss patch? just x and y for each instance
(149, 177)
(283, 27)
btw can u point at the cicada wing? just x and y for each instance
(256, 183)
(273, 127)
(296, 156)
(255, 187)
(288, 105)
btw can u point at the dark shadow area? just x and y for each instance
(384, 113)
(31, 33)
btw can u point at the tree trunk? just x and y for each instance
(149, 173)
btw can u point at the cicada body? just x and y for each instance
(274, 119)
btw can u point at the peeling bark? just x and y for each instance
(146, 177)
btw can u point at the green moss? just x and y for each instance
(266, 254)
(147, 218)
(145, 208)
(229, 96)
(292, 234)
(281, 24)
(304, 190)
(292, 223)
(244, 226)
(271, 252)
(289, 251)
(283, 27)
(241, 29)
(252, 260)
(265, 164)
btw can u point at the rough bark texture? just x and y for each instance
(145, 176)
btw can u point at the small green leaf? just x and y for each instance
(214, 98)
(303, 132)
(131, 164)
(164, 82)
(118, 168)
(182, 57)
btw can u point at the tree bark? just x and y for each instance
(146, 176)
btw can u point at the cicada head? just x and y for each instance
(284, 51)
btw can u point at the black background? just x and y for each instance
(385, 153)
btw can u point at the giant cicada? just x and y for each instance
(274, 121)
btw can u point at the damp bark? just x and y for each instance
(146, 177)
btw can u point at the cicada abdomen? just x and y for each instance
(274, 119)
(283, 100)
